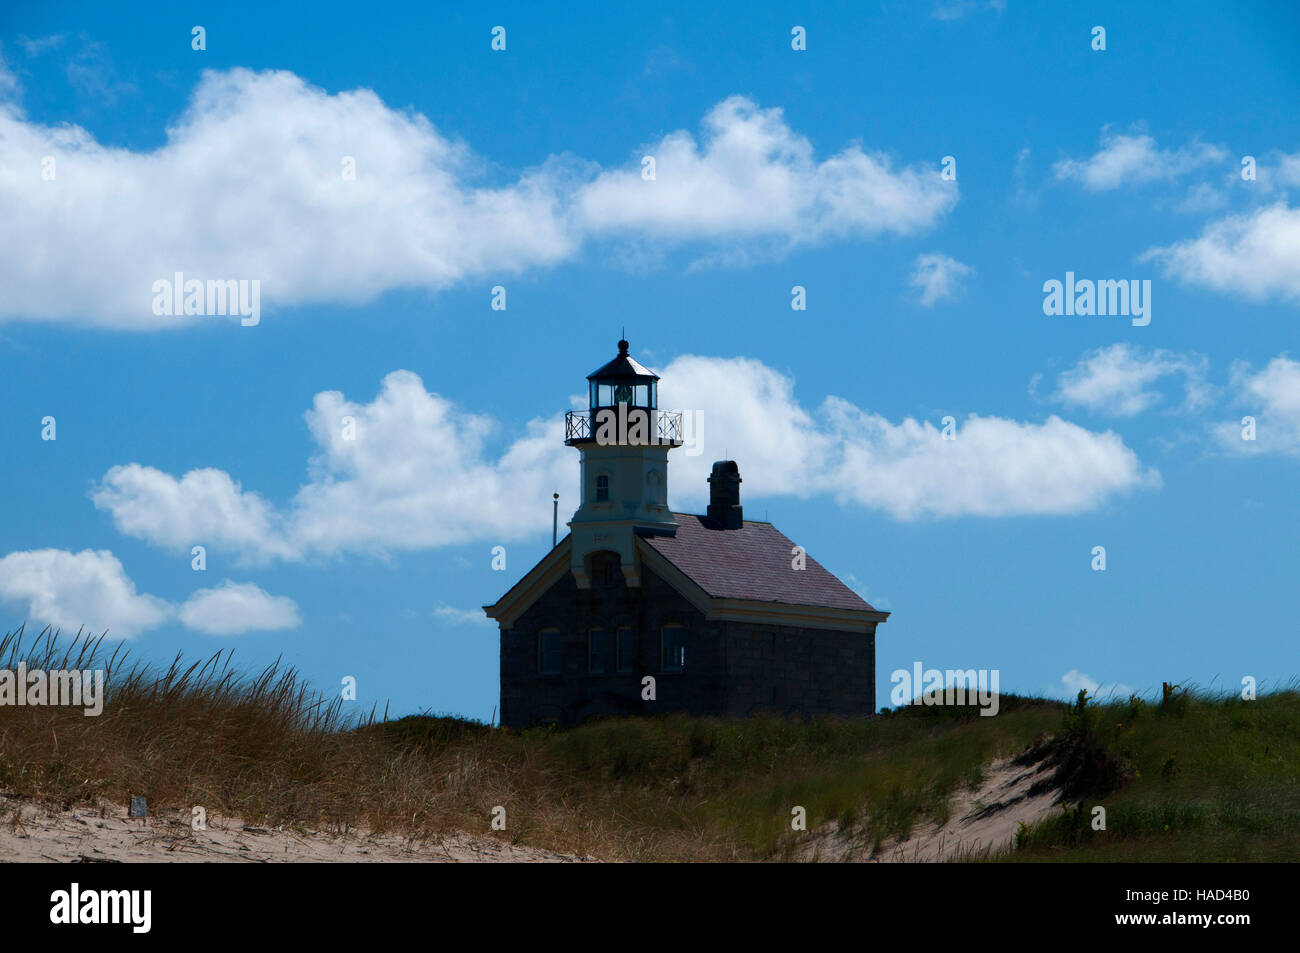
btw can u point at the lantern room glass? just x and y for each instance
(612, 393)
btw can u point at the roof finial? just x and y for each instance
(622, 346)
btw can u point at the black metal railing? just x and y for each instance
(665, 426)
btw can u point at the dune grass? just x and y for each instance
(1208, 778)
(1199, 778)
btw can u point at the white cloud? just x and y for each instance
(1203, 197)
(249, 185)
(1256, 255)
(91, 590)
(203, 508)
(995, 467)
(454, 616)
(938, 277)
(10, 87)
(72, 590)
(419, 475)
(1075, 681)
(1272, 397)
(1116, 380)
(233, 608)
(1135, 159)
(753, 177)
(38, 45)
(415, 475)
(1288, 169)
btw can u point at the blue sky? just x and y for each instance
(775, 168)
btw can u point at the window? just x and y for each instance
(602, 489)
(599, 655)
(606, 569)
(550, 652)
(674, 648)
(626, 649)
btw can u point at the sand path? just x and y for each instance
(30, 832)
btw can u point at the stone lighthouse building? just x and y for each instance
(642, 610)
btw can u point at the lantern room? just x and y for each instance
(623, 381)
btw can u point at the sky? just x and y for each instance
(350, 447)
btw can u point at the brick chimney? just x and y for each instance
(724, 496)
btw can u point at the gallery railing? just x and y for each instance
(624, 426)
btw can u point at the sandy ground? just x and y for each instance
(981, 821)
(32, 833)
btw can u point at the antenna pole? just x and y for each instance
(555, 520)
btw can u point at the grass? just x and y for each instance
(1207, 778)
(1192, 778)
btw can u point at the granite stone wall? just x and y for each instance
(732, 668)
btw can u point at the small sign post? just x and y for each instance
(138, 808)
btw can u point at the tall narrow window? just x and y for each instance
(626, 649)
(550, 652)
(602, 489)
(598, 651)
(674, 648)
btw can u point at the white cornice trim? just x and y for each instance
(530, 588)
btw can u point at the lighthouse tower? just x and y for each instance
(623, 439)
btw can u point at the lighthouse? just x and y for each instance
(644, 610)
(623, 442)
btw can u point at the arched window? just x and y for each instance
(550, 652)
(602, 489)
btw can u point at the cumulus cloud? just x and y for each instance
(1272, 397)
(409, 470)
(938, 277)
(72, 590)
(234, 608)
(1135, 159)
(249, 185)
(90, 589)
(753, 177)
(1256, 255)
(1118, 380)
(417, 474)
(204, 507)
(417, 471)
(994, 467)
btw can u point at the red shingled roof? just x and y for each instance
(750, 563)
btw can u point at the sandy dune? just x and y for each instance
(981, 821)
(32, 833)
